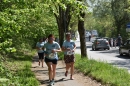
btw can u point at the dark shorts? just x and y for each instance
(69, 58)
(54, 61)
(41, 55)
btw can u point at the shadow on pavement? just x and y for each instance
(56, 81)
(108, 51)
(100, 50)
(44, 81)
(78, 47)
(61, 80)
(123, 57)
(124, 63)
(60, 68)
(121, 63)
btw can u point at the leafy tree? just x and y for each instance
(22, 23)
(121, 17)
(112, 16)
(63, 11)
(103, 18)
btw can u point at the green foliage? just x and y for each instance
(101, 18)
(22, 23)
(111, 17)
(61, 55)
(11, 71)
(71, 8)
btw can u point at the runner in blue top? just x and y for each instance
(40, 51)
(51, 57)
(68, 47)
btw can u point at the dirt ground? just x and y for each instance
(60, 79)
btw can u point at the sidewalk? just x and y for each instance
(60, 80)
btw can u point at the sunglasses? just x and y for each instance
(51, 38)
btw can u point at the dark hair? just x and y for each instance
(51, 35)
(44, 38)
(40, 39)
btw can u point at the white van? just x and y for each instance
(87, 34)
(94, 33)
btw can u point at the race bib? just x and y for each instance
(70, 52)
(52, 56)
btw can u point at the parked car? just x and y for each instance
(107, 38)
(125, 48)
(114, 41)
(98, 38)
(100, 44)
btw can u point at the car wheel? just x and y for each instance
(120, 52)
(95, 48)
(129, 53)
(92, 48)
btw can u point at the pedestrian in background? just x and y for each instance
(40, 51)
(89, 37)
(51, 57)
(111, 41)
(69, 47)
(119, 40)
(115, 42)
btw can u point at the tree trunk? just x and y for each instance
(81, 31)
(63, 20)
(61, 25)
(61, 35)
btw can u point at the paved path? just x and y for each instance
(61, 80)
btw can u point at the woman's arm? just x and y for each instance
(38, 48)
(63, 48)
(56, 50)
(74, 47)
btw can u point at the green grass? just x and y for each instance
(61, 55)
(17, 72)
(103, 72)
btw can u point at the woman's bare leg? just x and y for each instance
(67, 66)
(54, 71)
(50, 70)
(42, 62)
(72, 70)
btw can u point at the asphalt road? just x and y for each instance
(110, 56)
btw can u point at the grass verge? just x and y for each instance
(103, 72)
(16, 71)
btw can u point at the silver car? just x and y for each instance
(100, 44)
(125, 48)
